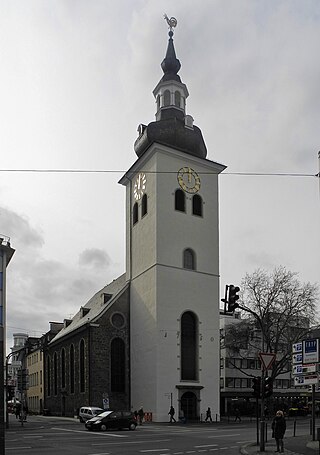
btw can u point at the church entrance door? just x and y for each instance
(189, 405)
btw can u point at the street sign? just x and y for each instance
(297, 347)
(305, 380)
(267, 359)
(303, 369)
(310, 351)
(297, 358)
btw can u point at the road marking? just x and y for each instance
(93, 432)
(130, 442)
(18, 448)
(206, 445)
(153, 450)
(223, 435)
(102, 453)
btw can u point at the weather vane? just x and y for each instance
(172, 22)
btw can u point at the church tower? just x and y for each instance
(172, 258)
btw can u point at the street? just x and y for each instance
(49, 435)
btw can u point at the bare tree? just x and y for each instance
(277, 310)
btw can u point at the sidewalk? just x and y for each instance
(299, 445)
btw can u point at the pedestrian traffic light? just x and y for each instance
(268, 387)
(233, 297)
(256, 386)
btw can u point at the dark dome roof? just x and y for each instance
(173, 133)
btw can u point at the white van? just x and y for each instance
(87, 412)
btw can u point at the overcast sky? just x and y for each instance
(76, 79)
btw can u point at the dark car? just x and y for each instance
(112, 420)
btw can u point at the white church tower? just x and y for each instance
(172, 254)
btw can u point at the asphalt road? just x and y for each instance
(48, 436)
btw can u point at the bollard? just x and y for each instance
(294, 427)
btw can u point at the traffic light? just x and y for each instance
(268, 387)
(256, 386)
(233, 297)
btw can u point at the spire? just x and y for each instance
(173, 127)
(170, 64)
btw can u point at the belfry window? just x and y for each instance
(135, 213)
(189, 347)
(158, 102)
(144, 205)
(180, 201)
(166, 98)
(177, 98)
(189, 259)
(197, 205)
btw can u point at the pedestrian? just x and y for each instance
(237, 415)
(278, 430)
(17, 410)
(208, 415)
(141, 415)
(171, 414)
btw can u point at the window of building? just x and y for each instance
(158, 102)
(135, 213)
(118, 365)
(180, 201)
(189, 347)
(177, 98)
(72, 368)
(81, 367)
(197, 205)
(189, 259)
(63, 368)
(144, 205)
(166, 98)
(55, 373)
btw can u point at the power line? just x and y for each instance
(114, 171)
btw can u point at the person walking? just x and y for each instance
(237, 415)
(141, 415)
(208, 415)
(278, 430)
(171, 414)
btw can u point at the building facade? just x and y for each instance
(151, 338)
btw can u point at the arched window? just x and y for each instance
(63, 368)
(55, 373)
(197, 205)
(177, 98)
(189, 347)
(189, 259)
(72, 369)
(81, 367)
(166, 98)
(118, 365)
(180, 201)
(144, 205)
(49, 376)
(135, 213)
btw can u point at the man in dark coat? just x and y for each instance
(171, 414)
(278, 430)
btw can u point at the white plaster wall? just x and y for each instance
(161, 290)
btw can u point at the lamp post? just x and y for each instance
(6, 253)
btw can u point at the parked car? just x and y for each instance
(299, 411)
(87, 412)
(112, 420)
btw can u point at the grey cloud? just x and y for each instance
(19, 230)
(94, 258)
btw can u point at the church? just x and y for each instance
(150, 338)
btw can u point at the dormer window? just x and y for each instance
(84, 311)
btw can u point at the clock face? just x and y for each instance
(189, 180)
(139, 186)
